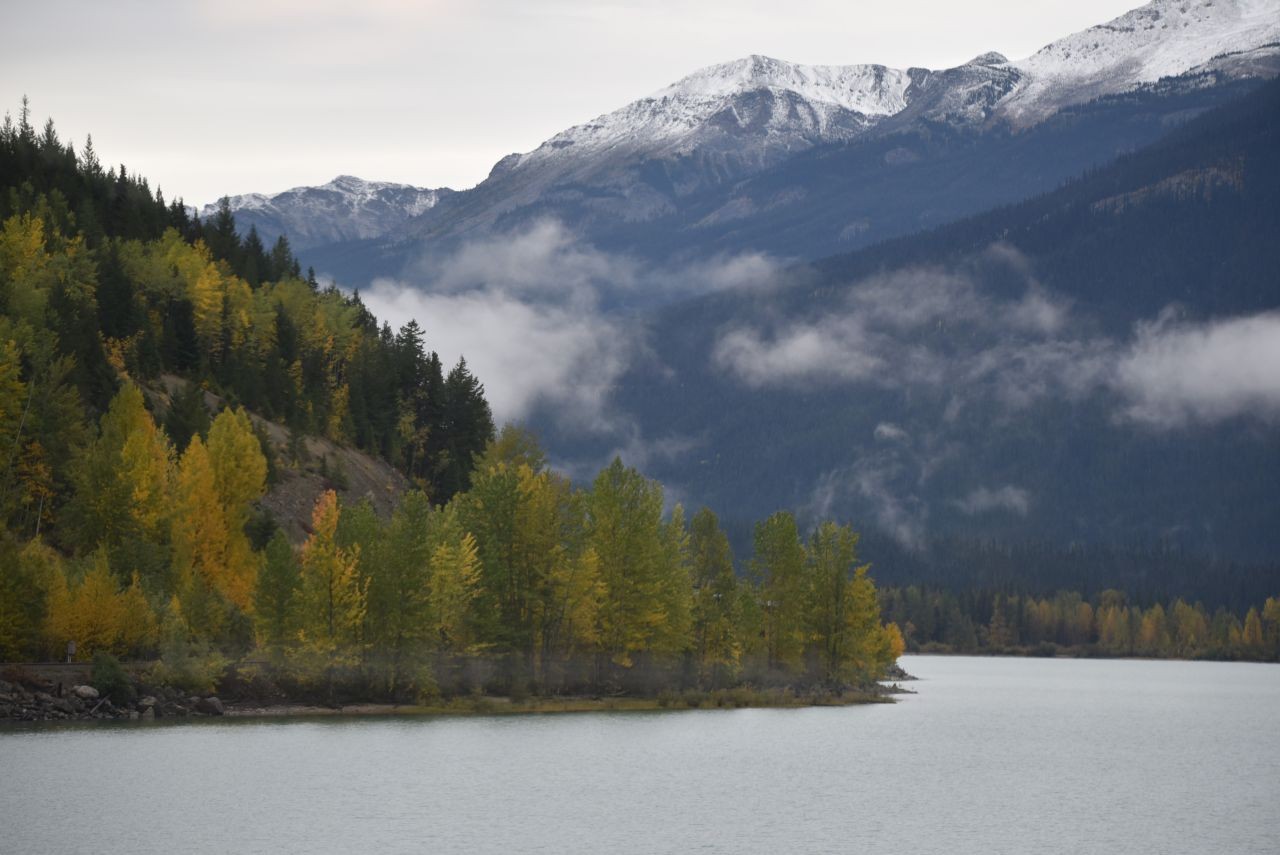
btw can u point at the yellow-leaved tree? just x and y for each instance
(331, 597)
(455, 582)
(240, 479)
(199, 534)
(122, 481)
(97, 615)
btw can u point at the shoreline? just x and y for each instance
(36, 699)
(489, 705)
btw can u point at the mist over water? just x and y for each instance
(991, 755)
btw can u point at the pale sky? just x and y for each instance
(214, 98)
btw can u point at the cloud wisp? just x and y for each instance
(925, 329)
(534, 312)
(983, 500)
(1176, 374)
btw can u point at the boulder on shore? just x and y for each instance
(85, 693)
(210, 706)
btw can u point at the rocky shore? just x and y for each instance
(53, 692)
(33, 699)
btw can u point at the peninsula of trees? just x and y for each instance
(132, 523)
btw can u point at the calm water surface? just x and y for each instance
(991, 756)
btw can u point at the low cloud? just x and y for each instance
(889, 432)
(1179, 373)
(925, 329)
(1008, 498)
(837, 350)
(525, 353)
(911, 328)
(543, 262)
(533, 313)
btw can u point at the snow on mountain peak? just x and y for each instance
(1161, 39)
(835, 97)
(821, 103)
(346, 208)
(872, 90)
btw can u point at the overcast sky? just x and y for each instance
(207, 99)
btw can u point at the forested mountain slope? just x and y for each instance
(1092, 366)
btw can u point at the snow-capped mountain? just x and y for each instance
(347, 208)
(771, 105)
(729, 121)
(729, 144)
(1161, 39)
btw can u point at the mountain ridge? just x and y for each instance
(633, 178)
(346, 208)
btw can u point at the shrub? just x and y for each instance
(426, 691)
(111, 680)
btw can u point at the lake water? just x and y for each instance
(990, 756)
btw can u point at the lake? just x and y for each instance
(990, 756)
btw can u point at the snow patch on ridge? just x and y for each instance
(672, 114)
(1161, 39)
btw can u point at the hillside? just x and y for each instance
(1037, 373)
(300, 471)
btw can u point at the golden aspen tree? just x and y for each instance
(206, 294)
(1153, 634)
(1251, 636)
(240, 478)
(570, 611)
(199, 536)
(331, 597)
(625, 530)
(455, 580)
(1271, 617)
(122, 480)
(865, 646)
(25, 578)
(90, 613)
(139, 630)
(13, 395)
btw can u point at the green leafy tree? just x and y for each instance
(273, 603)
(780, 566)
(715, 599)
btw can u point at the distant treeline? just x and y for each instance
(985, 621)
(1147, 574)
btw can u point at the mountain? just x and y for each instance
(736, 157)
(1161, 39)
(347, 208)
(1096, 365)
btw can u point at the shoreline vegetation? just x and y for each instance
(53, 692)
